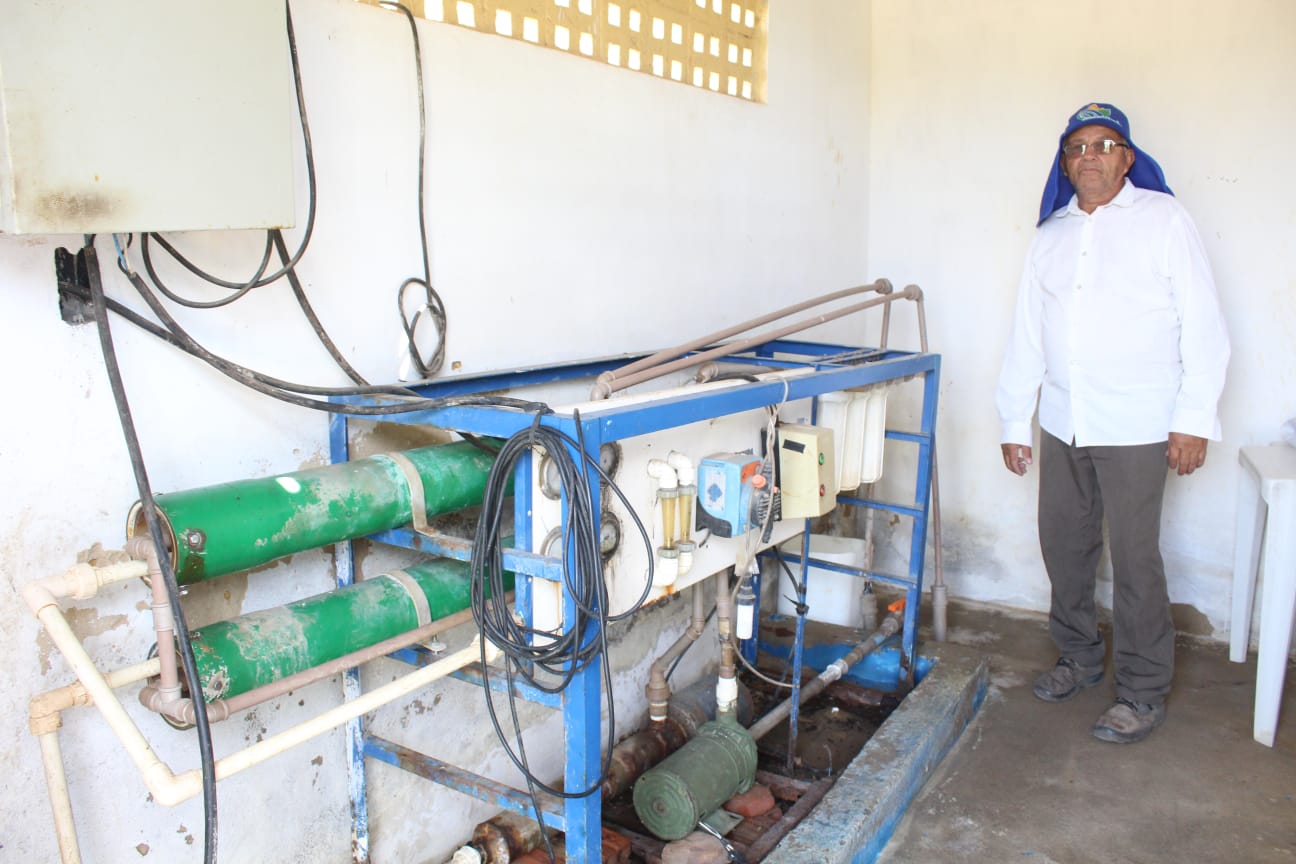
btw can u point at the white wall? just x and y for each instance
(573, 210)
(967, 103)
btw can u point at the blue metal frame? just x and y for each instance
(344, 572)
(835, 367)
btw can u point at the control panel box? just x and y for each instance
(807, 475)
(150, 115)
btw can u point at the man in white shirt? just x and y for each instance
(1118, 335)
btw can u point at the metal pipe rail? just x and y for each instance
(613, 381)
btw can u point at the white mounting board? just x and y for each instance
(627, 569)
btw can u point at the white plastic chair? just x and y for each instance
(1266, 506)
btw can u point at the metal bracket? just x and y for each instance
(73, 286)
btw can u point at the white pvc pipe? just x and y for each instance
(60, 802)
(684, 468)
(661, 471)
(334, 717)
(83, 581)
(47, 611)
(169, 789)
(45, 720)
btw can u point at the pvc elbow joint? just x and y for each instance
(663, 473)
(685, 471)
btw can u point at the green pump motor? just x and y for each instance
(719, 763)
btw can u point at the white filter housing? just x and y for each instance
(872, 437)
(833, 413)
(858, 421)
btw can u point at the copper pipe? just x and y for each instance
(606, 387)
(939, 596)
(608, 381)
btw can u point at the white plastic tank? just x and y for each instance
(858, 421)
(872, 438)
(834, 598)
(834, 414)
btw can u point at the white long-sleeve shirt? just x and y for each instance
(1118, 330)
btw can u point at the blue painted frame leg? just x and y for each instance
(582, 714)
(798, 651)
(344, 564)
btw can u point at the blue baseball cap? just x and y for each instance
(1144, 173)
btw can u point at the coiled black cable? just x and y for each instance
(432, 302)
(432, 306)
(163, 554)
(528, 651)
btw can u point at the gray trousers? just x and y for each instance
(1077, 486)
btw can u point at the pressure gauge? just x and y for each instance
(610, 458)
(609, 534)
(550, 479)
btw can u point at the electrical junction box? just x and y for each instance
(807, 476)
(148, 115)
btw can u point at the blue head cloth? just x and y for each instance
(1145, 173)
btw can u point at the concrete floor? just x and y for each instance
(1027, 782)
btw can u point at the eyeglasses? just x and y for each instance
(1100, 148)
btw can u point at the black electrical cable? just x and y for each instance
(240, 289)
(163, 554)
(309, 311)
(259, 278)
(432, 302)
(583, 641)
(799, 603)
(274, 239)
(288, 392)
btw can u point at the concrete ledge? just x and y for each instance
(858, 815)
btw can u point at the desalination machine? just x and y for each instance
(595, 489)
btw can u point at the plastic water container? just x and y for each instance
(858, 421)
(834, 412)
(834, 598)
(872, 437)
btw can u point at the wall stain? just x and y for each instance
(72, 205)
(318, 459)
(219, 599)
(371, 437)
(84, 623)
(1189, 621)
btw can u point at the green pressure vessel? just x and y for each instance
(717, 764)
(244, 653)
(235, 526)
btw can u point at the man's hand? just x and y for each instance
(1016, 457)
(1185, 453)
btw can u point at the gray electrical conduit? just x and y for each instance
(654, 365)
(889, 627)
